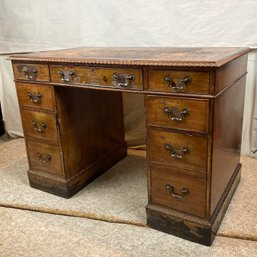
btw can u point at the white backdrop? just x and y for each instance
(33, 25)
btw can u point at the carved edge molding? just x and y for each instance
(119, 62)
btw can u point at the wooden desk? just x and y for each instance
(72, 116)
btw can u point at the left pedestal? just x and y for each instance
(68, 141)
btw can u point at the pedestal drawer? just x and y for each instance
(37, 96)
(95, 76)
(184, 151)
(180, 113)
(39, 125)
(179, 81)
(45, 157)
(32, 72)
(170, 188)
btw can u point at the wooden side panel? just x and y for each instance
(227, 131)
(91, 126)
(230, 72)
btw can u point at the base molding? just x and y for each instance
(190, 227)
(68, 187)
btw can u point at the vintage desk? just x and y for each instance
(72, 116)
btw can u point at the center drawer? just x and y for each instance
(97, 76)
(180, 113)
(179, 150)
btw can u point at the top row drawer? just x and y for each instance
(169, 81)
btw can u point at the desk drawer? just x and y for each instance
(179, 81)
(32, 72)
(36, 96)
(178, 150)
(170, 188)
(117, 78)
(45, 157)
(39, 125)
(186, 114)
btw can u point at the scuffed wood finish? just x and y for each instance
(53, 166)
(200, 83)
(192, 161)
(42, 73)
(46, 100)
(197, 118)
(195, 159)
(194, 202)
(147, 56)
(227, 132)
(40, 125)
(96, 76)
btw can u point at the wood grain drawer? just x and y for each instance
(170, 188)
(186, 114)
(36, 96)
(39, 125)
(178, 150)
(179, 81)
(32, 72)
(45, 157)
(117, 78)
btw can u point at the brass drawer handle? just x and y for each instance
(179, 86)
(39, 127)
(66, 76)
(123, 80)
(175, 114)
(171, 189)
(43, 159)
(176, 153)
(35, 98)
(30, 72)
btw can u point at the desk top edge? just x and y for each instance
(140, 56)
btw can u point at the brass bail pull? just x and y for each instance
(66, 75)
(171, 189)
(176, 153)
(180, 85)
(175, 114)
(30, 72)
(123, 80)
(35, 97)
(43, 159)
(39, 127)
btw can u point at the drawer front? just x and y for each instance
(32, 72)
(117, 78)
(179, 81)
(45, 157)
(185, 114)
(39, 125)
(170, 188)
(178, 150)
(36, 96)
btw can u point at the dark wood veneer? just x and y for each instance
(194, 101)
